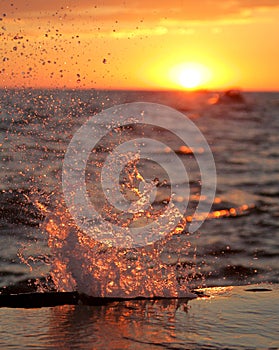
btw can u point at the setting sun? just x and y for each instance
(190, 78)
(190, 75)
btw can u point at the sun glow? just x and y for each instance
(190, 75)
(190, 78)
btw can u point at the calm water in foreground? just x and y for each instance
(231, 318)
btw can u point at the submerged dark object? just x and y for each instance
(259, 289)
(34, 300)
(48, 299)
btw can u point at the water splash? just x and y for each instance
(94, 268)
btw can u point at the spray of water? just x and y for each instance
(123, 234)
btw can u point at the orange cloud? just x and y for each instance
(208, 10)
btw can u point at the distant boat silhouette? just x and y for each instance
(230, 96)
(227, 97)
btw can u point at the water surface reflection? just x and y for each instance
(230, 317)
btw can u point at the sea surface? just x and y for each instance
(237, 245)
(229, 318)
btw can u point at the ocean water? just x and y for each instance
(37, 126)
(236, 245)
(231, 318)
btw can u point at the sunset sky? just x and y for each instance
(140, 44)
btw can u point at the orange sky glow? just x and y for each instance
(140, 44)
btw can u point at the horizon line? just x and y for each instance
(201, 90)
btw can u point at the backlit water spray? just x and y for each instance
(123, 228)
